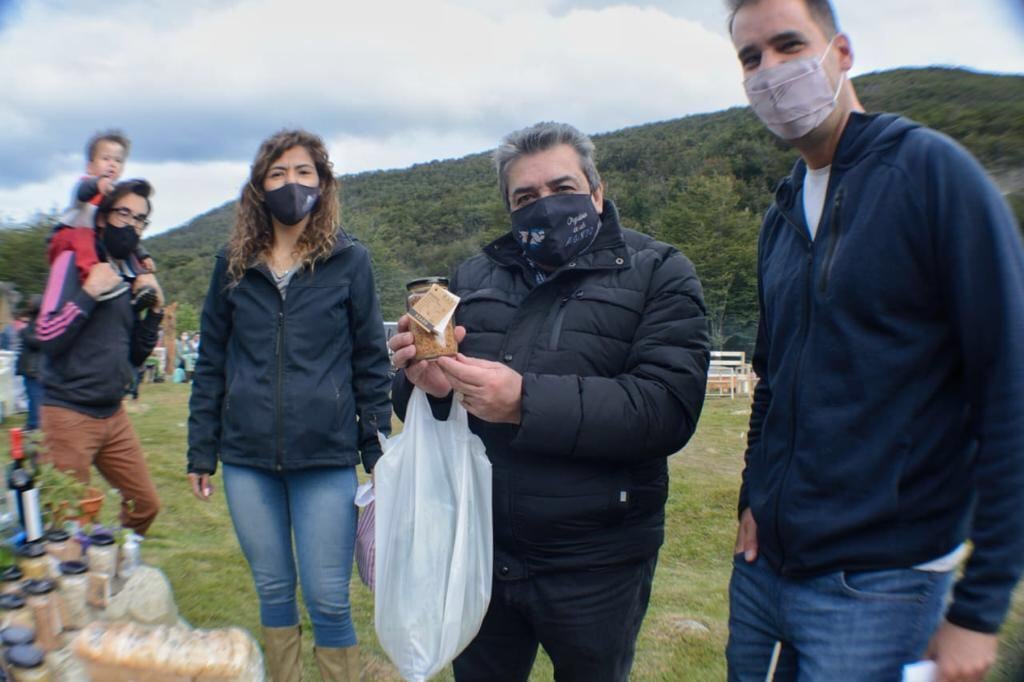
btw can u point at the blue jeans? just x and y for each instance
(34, 394)
(318, 507)
(850, 626)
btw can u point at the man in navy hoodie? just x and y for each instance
(888, 423)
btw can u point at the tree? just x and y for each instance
(23, 254)
(188, 317)
(706, 223)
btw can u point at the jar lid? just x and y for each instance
(15, 635)
(424, 281)
(11, 574)
(102, 538)
(57, 535)
(9, 602)
(25, 656)
(31, 550)
(73, 567)
(37, 587)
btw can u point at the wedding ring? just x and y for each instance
(459, 397)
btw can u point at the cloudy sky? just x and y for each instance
(197, 84)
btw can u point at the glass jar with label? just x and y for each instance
(59, 545)
(33, 562)
(10, 580)
(41, 599)
(14, 613)
(103, 554)
(27, 663)
(74, 589)
(428, 345)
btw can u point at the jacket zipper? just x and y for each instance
(804, 326)
(556, 329)
(833, 244)
(280, 380)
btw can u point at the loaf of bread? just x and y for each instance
(131, 651)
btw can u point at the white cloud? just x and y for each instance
(198, 84)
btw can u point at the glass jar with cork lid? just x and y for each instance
(432, 322)
(74, 590)
(102, 553)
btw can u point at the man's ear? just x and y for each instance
(845, 50)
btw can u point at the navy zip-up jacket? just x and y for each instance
(888, 422)
(294, 382)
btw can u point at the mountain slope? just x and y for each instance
(700, 182)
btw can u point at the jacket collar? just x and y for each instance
(343, 242)
(863, 135)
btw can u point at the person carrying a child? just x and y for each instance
(90, 344)
(105, 154)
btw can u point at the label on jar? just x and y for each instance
(98, 593)
(434, 309)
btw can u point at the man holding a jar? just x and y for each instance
(583, 364)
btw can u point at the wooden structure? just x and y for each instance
(729, 374)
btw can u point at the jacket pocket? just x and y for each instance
(543, 520)
(487, 310)
(611, 314)
(556, 327)
(835, 234)
(891, 585)
(337, 404)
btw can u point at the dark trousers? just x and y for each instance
(587, 622)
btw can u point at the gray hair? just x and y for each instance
(538, 138)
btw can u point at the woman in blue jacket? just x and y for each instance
(289, 392)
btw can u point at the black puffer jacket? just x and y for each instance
(613, 349)
(295, 382)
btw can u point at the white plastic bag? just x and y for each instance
(433, 540)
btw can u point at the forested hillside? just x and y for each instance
(699, 182)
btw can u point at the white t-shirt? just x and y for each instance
(947, 562)
(815, 189)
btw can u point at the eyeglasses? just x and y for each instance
(127, 216)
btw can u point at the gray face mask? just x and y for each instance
(793, 98)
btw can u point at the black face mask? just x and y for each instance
(291, 203)
(120, 242)
(554, 230)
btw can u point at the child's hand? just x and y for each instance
(148, 263)
(102, 278)
(146, 280)
(105, 184)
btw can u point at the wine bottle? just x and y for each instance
(21, 486)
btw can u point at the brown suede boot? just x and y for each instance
(283, 648)
(338, 665)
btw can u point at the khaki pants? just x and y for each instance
(75, 441)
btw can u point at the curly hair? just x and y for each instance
(253, 233)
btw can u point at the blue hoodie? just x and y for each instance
(888, 423)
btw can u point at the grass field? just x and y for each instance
(196, 547)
